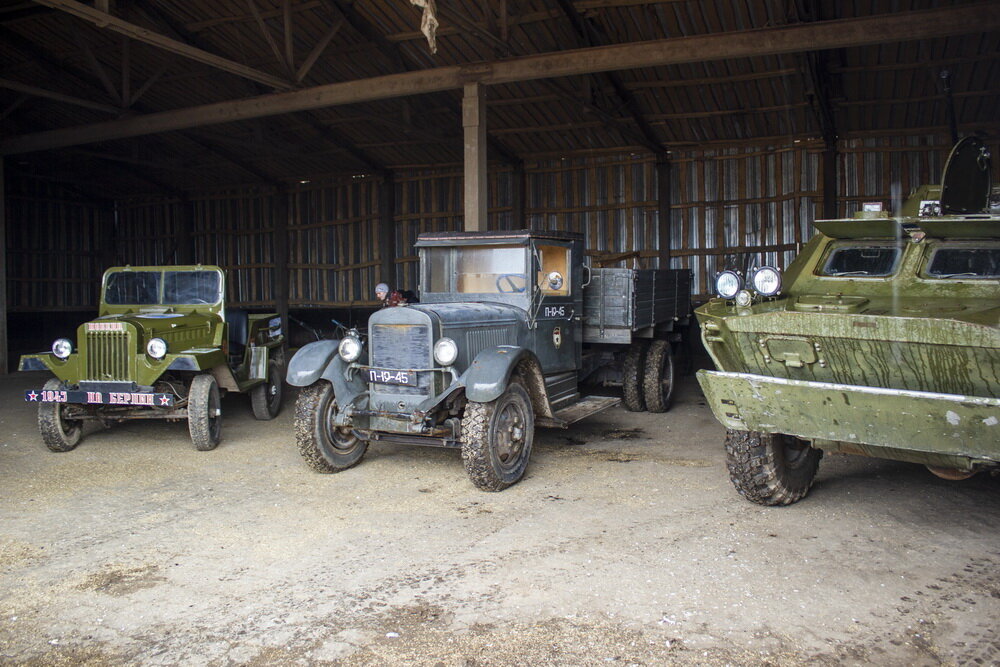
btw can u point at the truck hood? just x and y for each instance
(457, 315)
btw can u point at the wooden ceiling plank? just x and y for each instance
(841, 33)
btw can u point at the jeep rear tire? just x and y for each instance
(324, 446)
(770, 468)
(204, 412)
(632, 376)
(265, 399)
(497, 438)
(58, 433)
(660, 376)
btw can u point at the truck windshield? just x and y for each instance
(868, 261)
(143, 288)
(477, 269)
(965, 263)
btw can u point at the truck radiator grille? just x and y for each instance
(107, 355)
(402, 347)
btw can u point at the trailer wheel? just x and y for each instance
(204, 412)
(58, 433)
(265, 399)
(497, 438)
(660, 374)
(770, 468)
(632, 376)
(324, 446)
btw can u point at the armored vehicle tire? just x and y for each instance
(265, 399)
(632, 376)
(770, 468)
(204, 412)
(497, 438)
(58, 433)
(325, 447)
(660, 374)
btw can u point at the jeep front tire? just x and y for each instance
(770, 468)
(325, 446)
(58, 433)
(204, 412)
(497, 438)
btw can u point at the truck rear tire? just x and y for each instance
(58, 433)
(204, 412)
(265, 399)
(770, 468)
(632, 376)
(326, 448)
(660, 376)
(497, 438)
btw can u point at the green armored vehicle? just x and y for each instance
(882, 338)
(162, 347)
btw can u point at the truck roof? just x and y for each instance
(493, 237)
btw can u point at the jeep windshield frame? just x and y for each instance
(162, 287)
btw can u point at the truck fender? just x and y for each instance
(311, 362)
(489, 374)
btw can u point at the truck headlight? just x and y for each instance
(766, 281)
(727, 284)
(445, 351)
(156, 348)
(349, 349)
(62, 348)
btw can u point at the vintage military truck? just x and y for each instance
(880, 339)
(162, 346)
(503, 337)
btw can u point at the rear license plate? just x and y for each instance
(383, 376)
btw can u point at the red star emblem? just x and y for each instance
(164, 400)
(33, 396)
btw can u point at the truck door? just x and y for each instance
(556, 307)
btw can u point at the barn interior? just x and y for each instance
(303, 145)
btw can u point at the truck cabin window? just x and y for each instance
(976, 263)
(553, 272)
(863, 261)
(133, 288)
(191, 287)
(477, 269)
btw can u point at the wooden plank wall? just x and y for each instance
(147, 233)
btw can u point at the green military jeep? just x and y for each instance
(882, 338)
(161, 347)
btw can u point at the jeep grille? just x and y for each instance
(107, 356)
(402, 347)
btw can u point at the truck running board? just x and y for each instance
(589, 405)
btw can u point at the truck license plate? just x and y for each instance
(383, 376)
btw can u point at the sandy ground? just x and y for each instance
(625, 544)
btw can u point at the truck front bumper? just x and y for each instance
(918, 426)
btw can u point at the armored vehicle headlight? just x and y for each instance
(727, 284)
(62, 348)
(156, 348)
(767, 281)
(445, 351)
(350, 349)
(744, 298)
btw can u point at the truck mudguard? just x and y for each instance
(311, 362)
(488, 375)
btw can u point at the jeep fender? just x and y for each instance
(319, 360)
(489, 374)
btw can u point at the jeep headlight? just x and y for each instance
(156, 348)
(62, 348)
(727, 284)
(349, 349)
(766, 281)
(445, 351)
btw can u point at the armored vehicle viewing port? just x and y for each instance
(882, 338)
(509, 325)
(163, 346)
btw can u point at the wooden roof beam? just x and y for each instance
(907, 26)
(114, 24)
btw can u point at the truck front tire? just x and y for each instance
(58, 433)
(632, 376)
(324, 446)
(204, 412)
(770, 468)
(497, 438)
(265, 399)
(660, 376)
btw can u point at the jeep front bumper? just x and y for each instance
(918, 426)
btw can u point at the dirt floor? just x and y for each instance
(625, 544)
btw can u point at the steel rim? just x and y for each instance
(340, 437)
(511, 434)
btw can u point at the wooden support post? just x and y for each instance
(830, 180)
(3, 274)
(279, 283)
(474, 122)
(387, 230)
(520, 192)
(663, 210)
